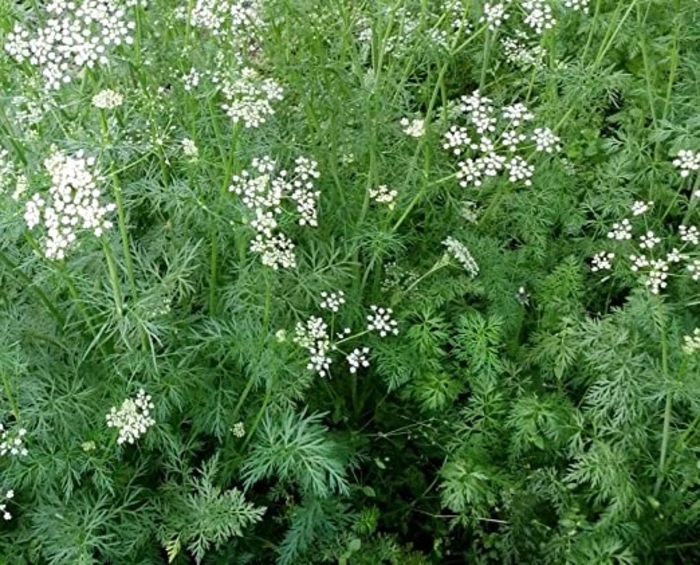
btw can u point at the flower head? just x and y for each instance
(133, 418)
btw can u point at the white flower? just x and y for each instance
(639, 207)
(313, 336)
(494, 15)
(358, 358)
(470, 172)
(12, 442)
(621, 231)
(649, 240)
(469, 211)
(576, 4)
(517, 114)
(238, 430)
(107, 99)
(675, 256)
(191, 79)
(639, 262)
(602, 261)
(459, 252)
(189, 148)
(522, 55)
(539, 15)
(332, 301)
(511, 139)
(303, 191)
(457, 139)
(72, 39)
(694, 268)
(545, 140)
(133, 418)
(277, 251)
(657, 275)
(414, 128)
(382, 195)
(263, 195)
(691, 343)
(689, 234)
(74, 203)
(381, 321)
(250, 97)
(687, 161)
(518, 169)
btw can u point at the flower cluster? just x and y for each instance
(314, 337)
(576, 4)
(381, 320)
(691, 343)
(687, 161)
(655, 266)
(12, 442)
(107, 99)
(249, 98)
(9, 495)
(74, 202)
(519, 52)
(239, 22)
(499, 135)
(263, 192)
(238, 430)
(332, 301)
(602, 261)
(538, 15)
(133, 417)
(189, 149)
(358, 358)
(382, 195)
(75, 36)
(413, 128)
(494, 15)
(459, 252)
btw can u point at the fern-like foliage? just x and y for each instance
(200, 515)
(296, 449)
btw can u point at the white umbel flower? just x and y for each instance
(621, 231)
(381, 321)
(687, 161)
(383, 195)
(602, 261)
(413, 128)
(133, 418)
(691, 343)
(313, 336)
(12, 442)
(545, 140)
(358, 359)
(461, 254)
(107, 99)
(332, 301)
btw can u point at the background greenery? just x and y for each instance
(536, 413)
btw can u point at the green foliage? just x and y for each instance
(270, 306)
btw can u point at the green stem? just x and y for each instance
(666, 430)
(124, 234)
(113, 277)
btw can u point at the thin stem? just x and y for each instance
(124, 234)
(113, 277)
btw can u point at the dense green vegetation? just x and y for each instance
(356, 282)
